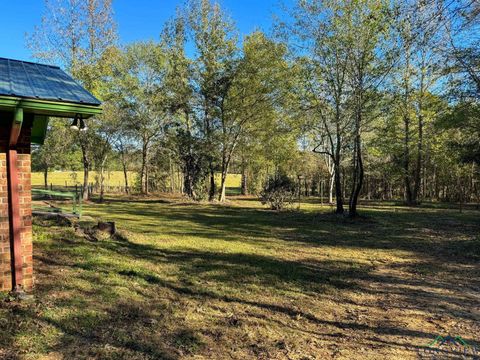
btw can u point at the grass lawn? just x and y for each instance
(70, 178)
(60, 179)
(190, 281)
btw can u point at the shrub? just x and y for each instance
(278, 192)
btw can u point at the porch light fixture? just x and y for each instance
(78, 124)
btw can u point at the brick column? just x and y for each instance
(5, 273)
(24, 187)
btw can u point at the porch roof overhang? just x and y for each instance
(43, 91)
(49, 108)
(43, 109)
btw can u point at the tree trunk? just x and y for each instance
(244, 184)
(125, 171)
(125, 176)
(223, 181)
(189, 172)
(147, 180)
(419, 163)
(330, 191)
(358, 173)
(188, 184)
(45, 177)
(358, 176)
(102, 180)
(338, 187)
(331, 173)
(86, 169)
(337, 170)
(86, 194)
(172, 178)
(144, 170)
(102, 188)
(212, 189)
(406, 162)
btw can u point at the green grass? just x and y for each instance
(60, 178)
(114, 178)
(185, 280)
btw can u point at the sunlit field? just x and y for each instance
(112, 178)
(202, 281)
(72, 178)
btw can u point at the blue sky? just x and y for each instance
(136, 19)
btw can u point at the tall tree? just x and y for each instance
(141, 73)
(323, 56)
(215, 63)
(180, 102)
(255, 94)
(339, 45)
(367, 38)
(76, 34)
(417, 72)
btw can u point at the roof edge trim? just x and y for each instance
(49, 108)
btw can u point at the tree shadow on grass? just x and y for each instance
(308, 276)
(237, 270)
(121, 331)
(436, 235)
(94, 317)
(294, 313)
(132, 200)
(437, 242)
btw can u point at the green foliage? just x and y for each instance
(279, 191)
(463, 123)
(361, 82)
(58, 151)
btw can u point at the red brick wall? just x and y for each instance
(24, 184)
(5, 278)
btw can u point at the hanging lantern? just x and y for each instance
(79, 124)
(83, 125)
(76, 123)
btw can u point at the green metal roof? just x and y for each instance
(44, 91)
(37, 81)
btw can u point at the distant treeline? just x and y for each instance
(357, 99)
